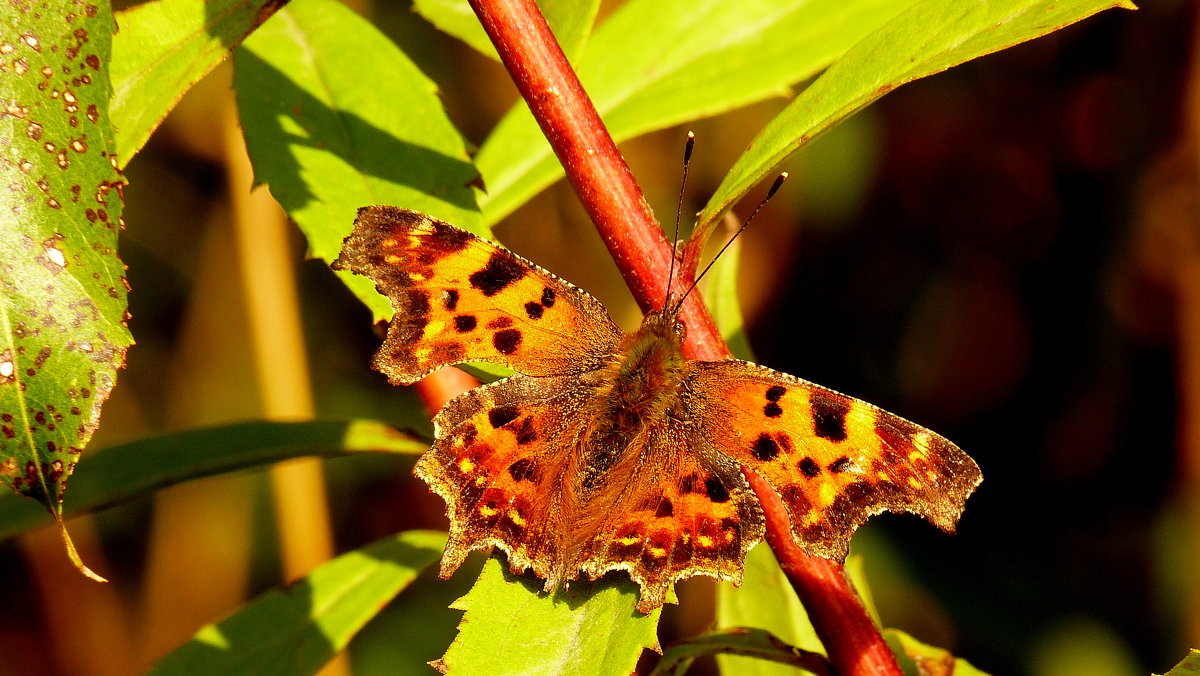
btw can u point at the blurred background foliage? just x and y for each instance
(1008, 253)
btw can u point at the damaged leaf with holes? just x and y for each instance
(63, 333)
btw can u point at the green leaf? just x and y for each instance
(1190, 666)
(765, 600)
(122, 473)
(721, 297)
(63, 303)
(927, 38)
(917, 658)
(511, 627)
(162, 49)
(298, 629)
(755, 644)
(655, 63)
(336, 118)
(570, 21)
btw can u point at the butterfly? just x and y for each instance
(611, 451)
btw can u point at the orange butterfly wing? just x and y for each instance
(460, 298)
(834, 460)
(500, 454)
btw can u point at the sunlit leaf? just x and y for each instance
(721, 297)
(570, 21)
(511, 627)
(162, 49)
(927, 38)
(765, 600)
(337, 118)
(134, 470)
(919, 659)
(63, 304)
(295, 631)
(655, 63)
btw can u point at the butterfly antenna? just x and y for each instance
(770, 193)
(687, 158)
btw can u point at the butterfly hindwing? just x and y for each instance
(672, 510)
(834, 460)
(460, 298)
(501, 452)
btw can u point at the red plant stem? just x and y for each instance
(616, 205)
(833, 606)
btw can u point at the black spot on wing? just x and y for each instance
(547, 297)
(498, 274)
(534, 310)
(525, 432)
(450, 299)
(507, 341)
(776, 392)
(465, 323)
(502, 415)
(523, 469)
(715, 490)
(665, 508)
(829, 415)
(765, 448)
(772, 410)
(809, 467)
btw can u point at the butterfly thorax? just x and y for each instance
(641, 383)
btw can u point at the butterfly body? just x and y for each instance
(612, 451)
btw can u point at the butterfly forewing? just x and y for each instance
(501, 454)
(834, 460)
(460, 298)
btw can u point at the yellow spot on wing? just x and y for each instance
(704, 541)
(487, 511)
(825, 497)
(465, 465)
(629, 540)
(516, 517)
